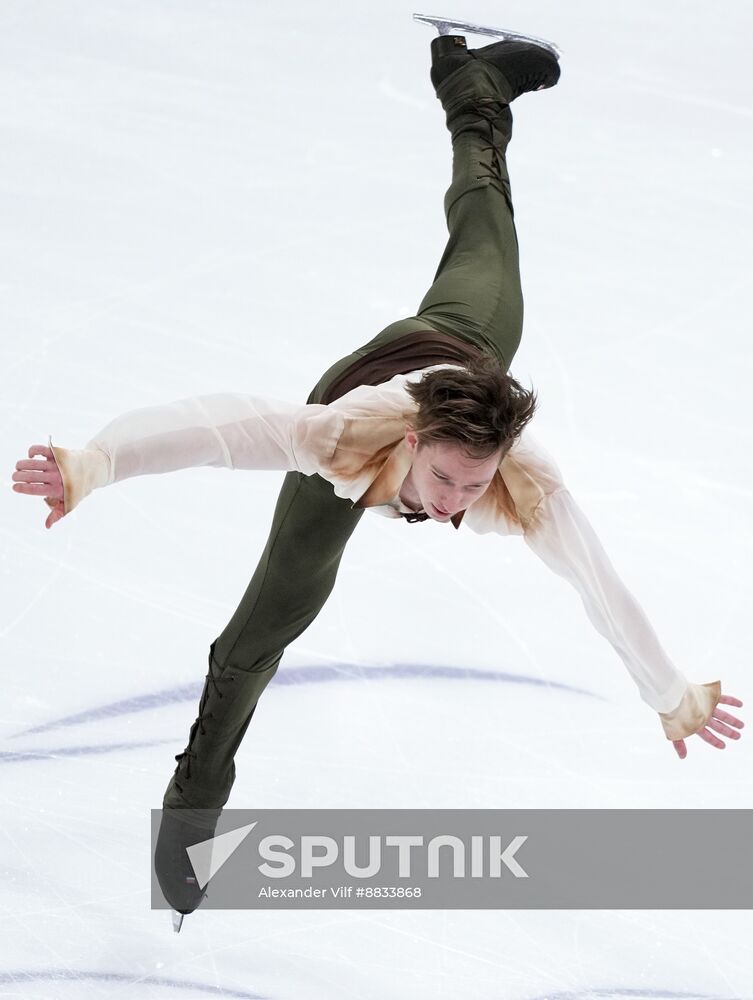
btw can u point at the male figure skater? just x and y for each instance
(423, 422)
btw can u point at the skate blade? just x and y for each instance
(447, 26)
(177, 921)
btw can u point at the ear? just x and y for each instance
(411, 438)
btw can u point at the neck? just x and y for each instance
(408, 494)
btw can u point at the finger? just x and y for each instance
(41, 449)
(720, 727)
(34, 477)
(709, 737)
(729, 700)
(36, 489)
(55, 515)
(35, 463)
(682, 750)
(730, 719)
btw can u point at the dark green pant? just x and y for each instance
(476, 297)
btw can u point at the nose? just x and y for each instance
(449, 502)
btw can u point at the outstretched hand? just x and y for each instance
(720, 722)
(41, 479)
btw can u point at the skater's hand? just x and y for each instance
(720, 722)
(41, 479)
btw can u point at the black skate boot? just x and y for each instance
(179, 830)
(525, 66)
(200, 786)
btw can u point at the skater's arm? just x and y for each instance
(563, 538)
(558, 531)
(561, 535)
(228, 430)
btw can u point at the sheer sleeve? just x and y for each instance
(561, 535)
(228, 430)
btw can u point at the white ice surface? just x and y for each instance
(209, 195)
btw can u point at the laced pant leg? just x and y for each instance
(476, 291)
(294, 578)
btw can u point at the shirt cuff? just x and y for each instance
(694, 711)
(81, 471)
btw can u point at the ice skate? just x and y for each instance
(527, 63)
(172, 864)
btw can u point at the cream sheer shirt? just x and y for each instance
(356, 442)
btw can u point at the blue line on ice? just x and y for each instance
(18, 756)
(317, 674)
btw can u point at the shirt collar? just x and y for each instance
(385, 486)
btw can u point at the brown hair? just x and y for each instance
(478, 406)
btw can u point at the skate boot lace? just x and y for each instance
(524, 77)
(492, 111)
(187, 755)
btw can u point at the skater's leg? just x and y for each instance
(476, 291)
(476, 294)
(294, 578)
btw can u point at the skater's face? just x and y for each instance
(445, 478)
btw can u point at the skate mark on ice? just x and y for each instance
(19, 976)
(20, 756)
(318, 674)
(128, 706)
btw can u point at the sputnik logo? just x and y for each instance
(208, 856)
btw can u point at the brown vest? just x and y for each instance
(410, 353)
